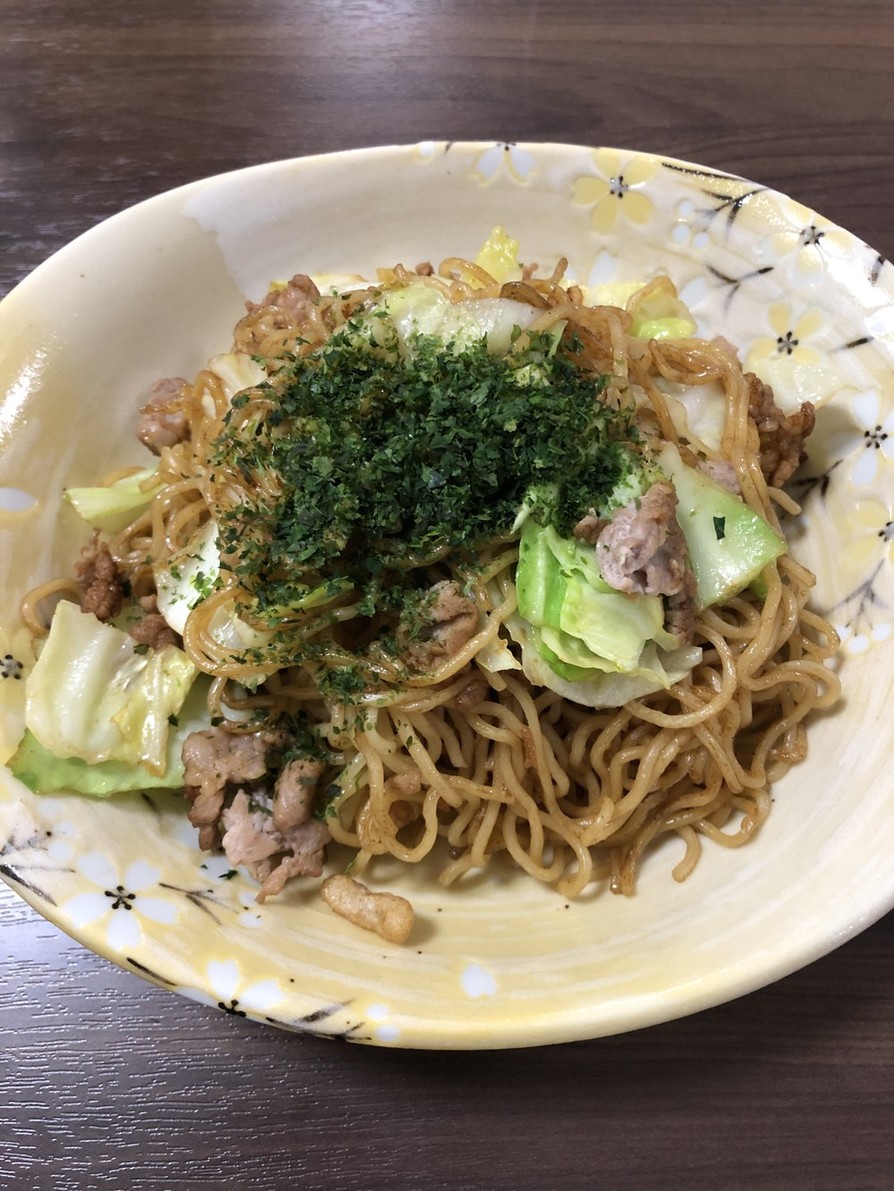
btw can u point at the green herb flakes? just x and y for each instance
(384, 460)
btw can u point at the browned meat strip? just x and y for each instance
(216, 756)
(162, 422)
(291, 308)
(472, 694)
(725, 346)
(781, 436)
(250, 838)
(103, 583)
(308, 843)
(642, 550)
(295, 793)
(274, 836)
(679, 611)
(249, 834)
(448, 622)
(211, 760)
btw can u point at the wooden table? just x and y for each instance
(111, 1083)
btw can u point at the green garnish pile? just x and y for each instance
(385, 458)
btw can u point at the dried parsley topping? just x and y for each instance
(384, 459)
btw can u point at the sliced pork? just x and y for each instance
(446, 622)
(642, 550)
(212, 760)
(271, 856)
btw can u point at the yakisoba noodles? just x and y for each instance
(442, 676)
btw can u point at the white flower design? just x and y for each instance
(121, 900)
(877, 437)
(689, 229)
(58, 830)
(251, 916)
(233, 888)
(519, 164)
(183, 833)
(869, 440)
(807, 247)
(425, 150)
(385, 1030)
(227, 987)
(216, 865)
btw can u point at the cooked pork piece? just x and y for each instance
(782, 435)
(162, 422)
(445, 625)
(101, 580)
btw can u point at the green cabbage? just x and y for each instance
(110, 507)
(186, 578)
(729, 544)
(93, 694)
(419, 309)
(601, 647)
(660, 315)
(45, 773)
(498, 256)
(658, 669)
(237, 371)
(578, 635)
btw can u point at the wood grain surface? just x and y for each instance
(111, 1083)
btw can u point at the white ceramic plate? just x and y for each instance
(499, 962)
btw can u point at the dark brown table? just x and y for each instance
(111, 1083)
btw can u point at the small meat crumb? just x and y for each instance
(781, 435)
(153, 630)
(472, 694)
(590, 527)
(297, 298)
(386, 914)
(722, 472)
(643, 550)
(101, 580)
(212, 759)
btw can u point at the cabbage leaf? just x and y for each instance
(116, 703)
(729, 543)
(498, 256)
(580, 637)
(45, 773)
(109, 507)
(420, 309)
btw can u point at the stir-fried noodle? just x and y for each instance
(443, 746)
